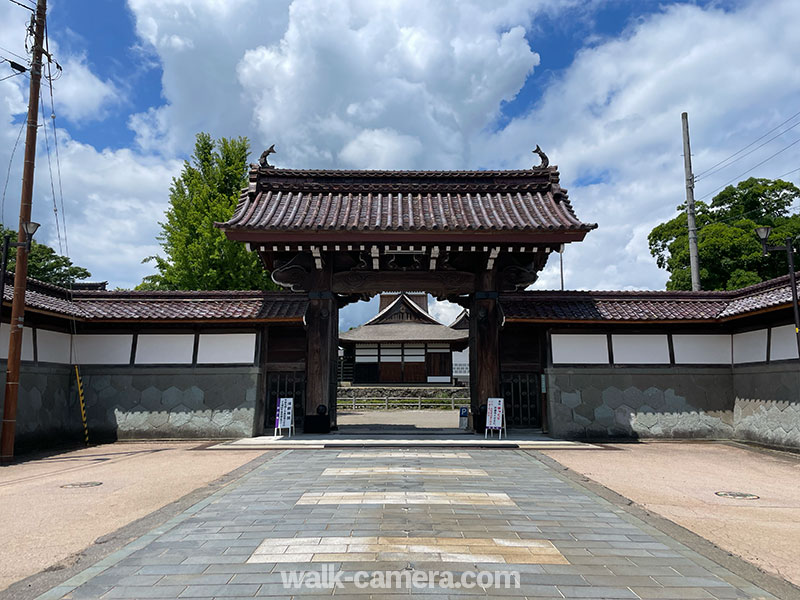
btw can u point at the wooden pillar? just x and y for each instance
(484, 344)
(322, 335)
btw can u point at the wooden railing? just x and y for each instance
(385, 403)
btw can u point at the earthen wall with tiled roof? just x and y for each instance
(533, 306)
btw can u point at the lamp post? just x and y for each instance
(30, 228)
(763, 235)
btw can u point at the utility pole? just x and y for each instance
(21, 270)
(694, 259)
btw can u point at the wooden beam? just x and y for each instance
(375, 253)
(317, 257)
(492, 257)
(438, 283)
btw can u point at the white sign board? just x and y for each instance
(284, 416)
(496, 416)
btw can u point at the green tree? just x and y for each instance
(198, 256)
(730, 254)
(44, 264)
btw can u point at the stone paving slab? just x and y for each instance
(521, 522)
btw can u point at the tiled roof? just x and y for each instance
(545, 306)
(285, 200)
(405, 332)
(582, 306)
(759, 297)
(45, 300)
(101, 305)
(646, 305)
(163, 305)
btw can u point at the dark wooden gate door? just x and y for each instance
(285, 384)
(522, 399)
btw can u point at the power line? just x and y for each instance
(788, 173)
(709, 173)
(58, 158)
(10, 76)
(748, 145)
(8, 174)
(30, 8)
(52, 184)
(792, 207)
(19, 56)
(769, 158)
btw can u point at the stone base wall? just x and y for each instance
(678, 402)
(767, 404)
(170, 402)
(47, 415)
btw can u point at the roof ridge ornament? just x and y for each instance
(545, 161)
(263, 161)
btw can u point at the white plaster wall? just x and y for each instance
(783, 343)
(750, 346)
(27, 342)
(111, 349)
(640, 349)
(579, 349)
(160, 349)
(461, 362)
(53, 346)
(226, 348)
(712, 349)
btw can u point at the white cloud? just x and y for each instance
(367, 84)
(114, 200)
(381, 149)
(199, 44)
(616, 111)
(82, 95)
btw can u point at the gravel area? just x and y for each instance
(679, 481)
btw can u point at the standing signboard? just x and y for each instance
(284, 416)
(496, 417)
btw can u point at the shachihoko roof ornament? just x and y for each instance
(545, 162)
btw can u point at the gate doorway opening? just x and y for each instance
(396, 370)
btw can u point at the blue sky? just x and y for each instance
(455, 84)
(113, 51)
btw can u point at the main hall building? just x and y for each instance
(577, 364)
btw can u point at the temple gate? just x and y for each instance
(344, 236)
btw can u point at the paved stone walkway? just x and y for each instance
(452, 522)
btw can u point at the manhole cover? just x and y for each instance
(737, 495)
(83, 484)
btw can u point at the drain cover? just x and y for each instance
(83, 484)
(737, 495)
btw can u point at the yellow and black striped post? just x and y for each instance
(83, 405)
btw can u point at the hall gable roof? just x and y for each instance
(292, 201)
(406, 305)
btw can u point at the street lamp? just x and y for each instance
(29, 227)
(763, 235)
